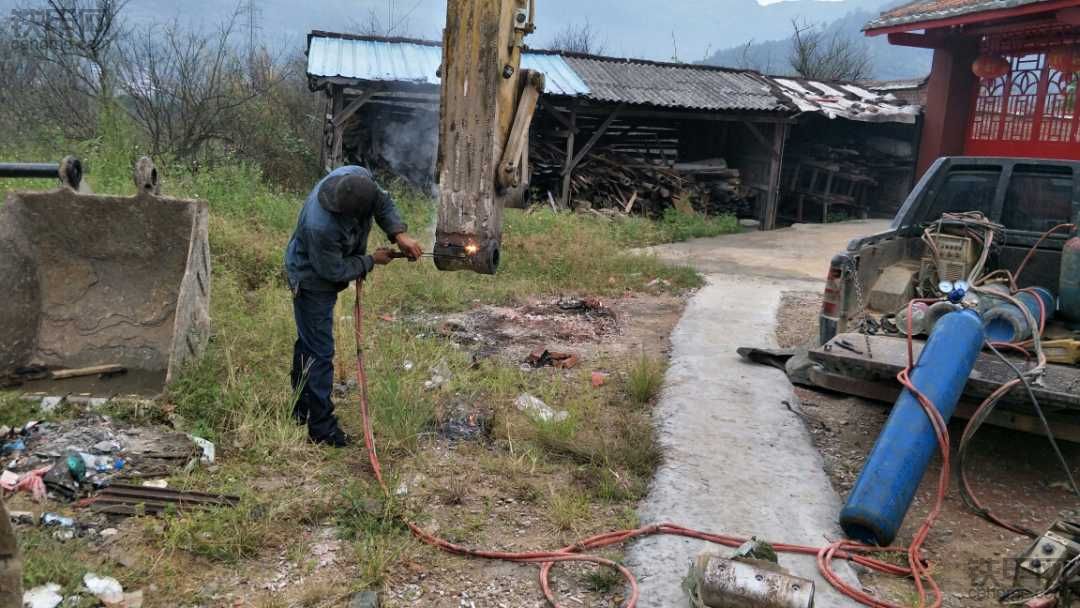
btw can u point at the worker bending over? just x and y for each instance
(326, 253)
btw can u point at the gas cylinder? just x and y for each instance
(883, 492)
(1069, 284)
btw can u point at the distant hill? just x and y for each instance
(771, 56)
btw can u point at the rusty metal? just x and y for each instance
(751, 583)
(121, 499)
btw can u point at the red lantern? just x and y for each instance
(989, 67)
(1064, 59)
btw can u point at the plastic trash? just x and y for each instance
(105, 588)
(45, 596)
(76, 466)
(103, 463)
(209, 450)
(440, 375)
(13, 446)
(538, 410)
(55, 519)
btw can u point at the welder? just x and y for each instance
(328, 250)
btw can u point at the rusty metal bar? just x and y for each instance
(121, 499)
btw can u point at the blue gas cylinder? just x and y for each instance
(1005, 322)
(882, 494)
(1069, 284)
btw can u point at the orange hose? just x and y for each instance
(1031, 254)
(917, 568)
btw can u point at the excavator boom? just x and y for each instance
(487, 105)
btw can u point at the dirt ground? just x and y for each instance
(591, 328)
(1015, 474)
(482, 491)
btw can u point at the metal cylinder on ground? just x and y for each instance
(749, 583)
(1069, 284)
(876, 507)
(1005, 322)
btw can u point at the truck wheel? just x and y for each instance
(10, 565)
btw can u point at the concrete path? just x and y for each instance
(737, 461)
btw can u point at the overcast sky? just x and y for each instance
(685, 29)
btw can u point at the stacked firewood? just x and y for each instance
(610, 179)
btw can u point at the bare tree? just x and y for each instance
(66, 52)
(186, 89)
(396, 24)
(823, 56)
(580, 38)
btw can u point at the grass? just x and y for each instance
(645, 378)
(568, 510)
(238, 394)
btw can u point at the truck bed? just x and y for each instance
(874, 377)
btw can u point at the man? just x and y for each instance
(326, 253)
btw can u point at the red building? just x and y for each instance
(1004, 77)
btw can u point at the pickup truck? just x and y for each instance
(1026, 196)
(877, 275)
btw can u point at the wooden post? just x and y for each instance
(568, 170)
(336, 131)
(775, 169)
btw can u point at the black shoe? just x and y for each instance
(336, 439)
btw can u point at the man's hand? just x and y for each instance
(382, 256)
(409, 246)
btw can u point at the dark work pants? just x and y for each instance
(313, 360)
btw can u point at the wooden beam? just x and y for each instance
(775, 171)
(715, 116)
(562, 120)
(921, 41)
(568, 171)
(344, 115)
(595, 138)
(764, 141)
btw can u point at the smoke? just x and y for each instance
(404, 145)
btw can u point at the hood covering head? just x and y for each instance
(352, 195)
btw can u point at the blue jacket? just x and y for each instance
(328, 250)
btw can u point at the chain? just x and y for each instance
(860, 301)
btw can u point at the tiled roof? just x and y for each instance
(674, 85)
(932, 10)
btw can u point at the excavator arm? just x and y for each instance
(487, 105)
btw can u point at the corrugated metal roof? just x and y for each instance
(559, 77)
(373, 60)
(932, 10)
(894, 85)
(841, 100)
(673, 86)
(414, 61)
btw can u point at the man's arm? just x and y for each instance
(328, 258)
(389, 219)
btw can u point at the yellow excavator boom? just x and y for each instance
(487, 105)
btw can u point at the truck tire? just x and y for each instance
(10, 565)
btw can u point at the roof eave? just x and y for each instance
(969, 18)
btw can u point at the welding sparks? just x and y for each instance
(471, 249)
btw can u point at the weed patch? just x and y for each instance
(644, 379)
